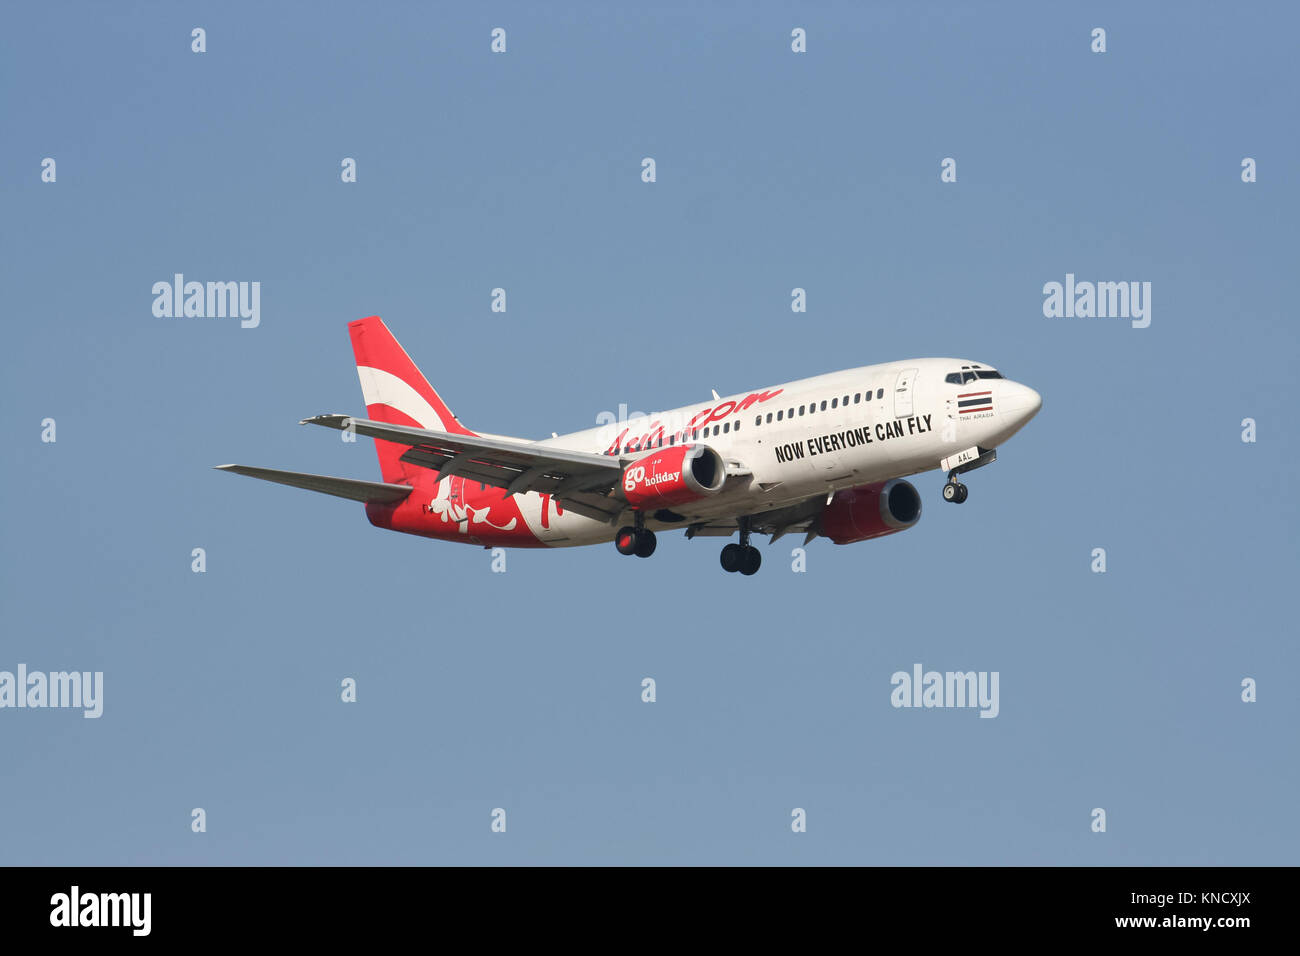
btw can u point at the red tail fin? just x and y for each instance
(396, 393)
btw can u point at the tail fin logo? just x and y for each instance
(389, 378)
(397, 393)
(379, 387)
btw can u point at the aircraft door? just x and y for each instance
(903, 393)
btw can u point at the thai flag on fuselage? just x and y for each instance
(974, 402)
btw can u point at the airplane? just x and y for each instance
(826, 456)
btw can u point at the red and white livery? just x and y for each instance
(823, 456)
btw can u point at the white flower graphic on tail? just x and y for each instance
(449, 505)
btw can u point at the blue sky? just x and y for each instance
(521, 690)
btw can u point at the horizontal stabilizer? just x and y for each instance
(368, 491)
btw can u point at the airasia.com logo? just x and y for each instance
(660, 431)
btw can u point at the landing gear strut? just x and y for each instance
(636, 540)
(954, 490)
(743, 557)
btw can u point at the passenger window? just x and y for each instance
(737, 426)
(726, 428)
(880, 393)
(823, 404)
(835, 403)
(769, 418)
(812, 408)
(758, 420)
(857, 397)
(778, 415)
(801, 408)
(715, 430)
(672, 439)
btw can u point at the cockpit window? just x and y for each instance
(970, 375)
(988, 373)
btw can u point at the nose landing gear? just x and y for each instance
(968, 460)
(954, 490)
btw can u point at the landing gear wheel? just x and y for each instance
(731, 557)
(645, 543)
(955, 492)
(750, 559)
(625, 541)
(961, 493)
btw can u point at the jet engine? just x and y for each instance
(674, 476)
(871, 511)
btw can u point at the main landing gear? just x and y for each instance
(743, 557)
(954, 490)
(637, 540)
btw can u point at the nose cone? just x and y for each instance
(1020, 401)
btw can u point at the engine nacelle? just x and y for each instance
(674, 476)
(871, 511)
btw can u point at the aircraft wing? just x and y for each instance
(585, 482)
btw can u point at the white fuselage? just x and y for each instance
(786, 443)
